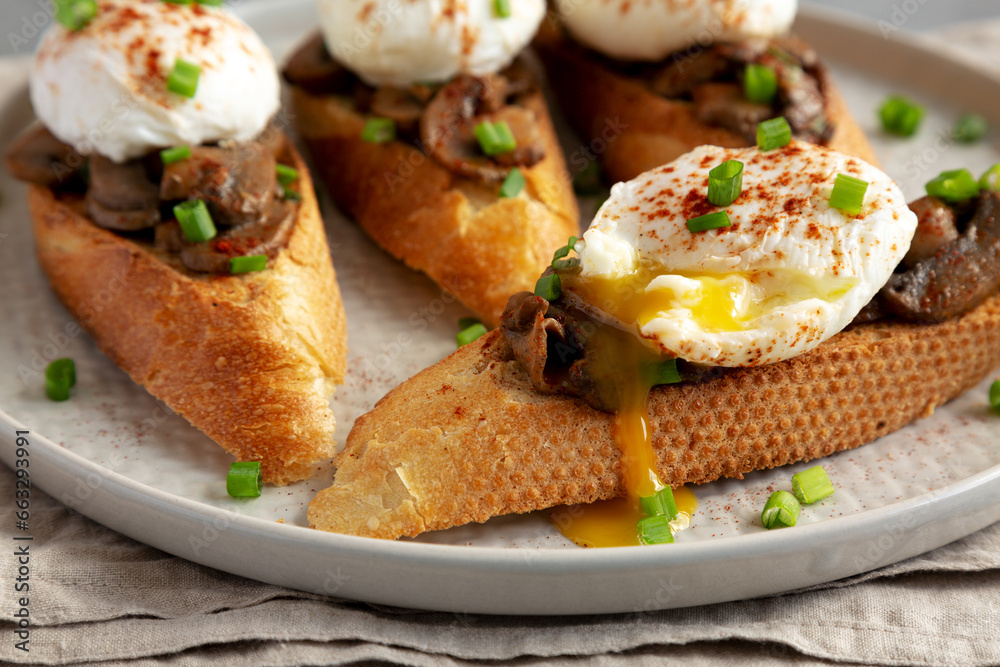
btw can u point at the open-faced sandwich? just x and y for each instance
(179, 225)
(734, 310)
(644, 82)
(430, 131)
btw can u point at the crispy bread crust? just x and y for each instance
(475, 245)
(484, 443)
(250, 360)
(634, 130)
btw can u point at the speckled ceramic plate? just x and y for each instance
(120, 457)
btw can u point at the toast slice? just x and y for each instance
(476, 245)
(632, 129)
(251, 360)
(483, 442)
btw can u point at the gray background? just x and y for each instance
(18, 34)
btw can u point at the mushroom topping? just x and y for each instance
(38, 157)
(237, 182)
(449, 121)
(960, 275)
(400, 105)
(935, 227)
(723, 104)
(264, 237)
(313, 69)
(122, 196)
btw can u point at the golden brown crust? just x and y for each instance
(484, 443)
(250, 360)
(475, 245)
(636, 130)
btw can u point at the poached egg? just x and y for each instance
(789, 273)
(653, 29)
(402, 42)
(104, 89)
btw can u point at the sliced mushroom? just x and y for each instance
(38, 157)
(122, 196)
(264, 237)
(313, 69)
(524, 126)
(237, 182)
(399, 105)
(723, 104)
(448, 124)
(685, 73)
(936, 226)
(803, 104)
(957, 277)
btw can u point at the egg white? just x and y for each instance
(795, 270)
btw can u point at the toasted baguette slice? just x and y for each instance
(475, 245)
(634, 130)
(251, 360)
(469, 438)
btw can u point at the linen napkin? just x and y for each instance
(98, 598)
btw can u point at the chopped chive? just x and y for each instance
(176, 154)
(848, 194)
(195, 221)
(248, 264)
(558, 257)
(589, 181)
(211, 3)
(900, 115)
(549, 287)
(661, 503)
(725, 183)
(75, 14)
(512, 185)
(244, 479)
(664, 372)
(502, 8)
(379, 130)
(760, 84)
(287, 194)
(470, 333)
(774, 133)
(781, 509)
(287, 175)
(495, 138)
(702, 223)
(969, 128)
(953, 186)
(995, 396)
(183, 78)
(990, 180)
(60, 376)
(466, 322)
(811, 485)
(655, 530)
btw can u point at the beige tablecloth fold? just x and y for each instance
(98, 598)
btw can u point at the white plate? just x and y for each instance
(118, 456)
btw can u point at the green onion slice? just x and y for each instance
(470, 333)
(244, 479)
(760, 83)
(549, 287)
(811, 485)
(287, 175)
(900, 115)
(183, 78)
(287, 194)
(774, 133)
(495, 138)
(781, 509)
(664, 372)
(655, 530)
(248, 264)
(60, 376)
(970, 128)
(466, 322)
(558, 257)
(995, 396)
(990, 180)
(953, 186)
(848, 194)
(661, 503)
(176, 154)
(702, 223)
(513, 184)
(211, 3)
(195, 220)
(75, 14)
(502, 8)
(379, 130)
(725, 183)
